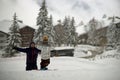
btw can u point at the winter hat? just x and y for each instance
(32, 43)
(45, 38)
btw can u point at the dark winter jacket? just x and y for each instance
(31, 54)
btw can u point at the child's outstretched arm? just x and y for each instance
(19, 49)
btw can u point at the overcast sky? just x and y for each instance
(27, 10)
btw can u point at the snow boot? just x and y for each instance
(44, 68)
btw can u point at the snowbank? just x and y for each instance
(63, 48)
(109, 54)
(83, 50)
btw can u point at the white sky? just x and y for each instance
(27, 10)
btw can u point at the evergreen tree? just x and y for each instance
(81, 23)
(59, 34)
(73, 34)
(14, 39)
(118, 36)
(69, 30)
(86, 28)
(113, 33)
(111, 38)
(93, 25)
(66, 26)
(44, 24)
(51, 29)
(94, 37)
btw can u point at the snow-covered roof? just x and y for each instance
(63, 48)
(6, 24)
(107, 22)
(4, 33)
(27, 27)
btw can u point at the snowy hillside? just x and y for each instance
(6, 24)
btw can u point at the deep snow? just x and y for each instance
(64, 68)
(61, 68)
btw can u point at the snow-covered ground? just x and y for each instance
(64, 68)
(61, 68)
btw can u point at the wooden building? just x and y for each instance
(59, 34)
(100, 36)
(27, 34)
(82, 39)
(3, 39)
(62, 51)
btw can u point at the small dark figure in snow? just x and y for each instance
(45, 53)
(31, 56)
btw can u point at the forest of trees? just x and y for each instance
(70, 36)
(112, 34)
(46, 27)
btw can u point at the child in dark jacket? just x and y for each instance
(31, 56)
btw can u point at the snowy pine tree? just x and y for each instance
(14, 39)
(92, 25)
(45, 26)
(51, 29)
(59, 34)
(86, 28)
(66, 26)
(81, 23)
(118, 36)
(111, 36)
(113, 33)
(73, 34)
(93, 35)
(69, 31)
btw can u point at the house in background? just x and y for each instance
(118, 32)
(27, 34)
(82, 39)
(59, 34)
(3, 39)
(100, 36)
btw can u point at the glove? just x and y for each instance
(14, 47)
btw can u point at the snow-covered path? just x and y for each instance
(61, 68)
